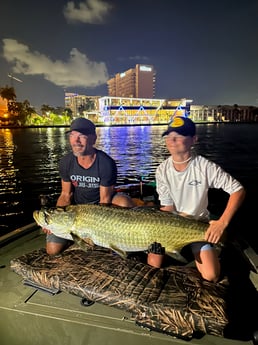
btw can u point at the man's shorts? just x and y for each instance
(56, 239)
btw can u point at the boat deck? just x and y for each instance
(30, 316)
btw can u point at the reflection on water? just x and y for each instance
(29, 160)
(137, 150)
(28, 168)
(9, 190)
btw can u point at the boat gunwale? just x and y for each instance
(17, 233)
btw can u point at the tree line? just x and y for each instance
(24, 114)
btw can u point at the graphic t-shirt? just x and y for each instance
(86, 182)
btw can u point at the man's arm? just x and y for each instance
(66, 194)
(106, 194)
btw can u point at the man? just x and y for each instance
(183, 181)
(88, 175)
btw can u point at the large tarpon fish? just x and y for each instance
(122, 229)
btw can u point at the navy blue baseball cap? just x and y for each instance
(181, 125)
(83, 126)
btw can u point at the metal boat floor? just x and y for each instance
(30, 316)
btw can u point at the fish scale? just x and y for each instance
(124, 229)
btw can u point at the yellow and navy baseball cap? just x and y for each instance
(181, 125)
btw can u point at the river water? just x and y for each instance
(29, 164)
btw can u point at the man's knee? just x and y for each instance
(123, 200)
(54, 248)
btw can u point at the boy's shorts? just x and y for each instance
(200, 246)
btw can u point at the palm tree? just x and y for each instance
(8, 93)
(26, 110)
(46, 109)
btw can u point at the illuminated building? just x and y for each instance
(130, 101)
(126, 110)
(80, 104)
(138, 82)
(129, 111)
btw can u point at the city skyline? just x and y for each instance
(205, 51)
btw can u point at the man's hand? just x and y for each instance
(46, 231)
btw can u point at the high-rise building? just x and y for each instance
(80, 103)
(138, 82)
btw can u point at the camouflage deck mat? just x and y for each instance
(175, 301)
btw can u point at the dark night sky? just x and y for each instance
(203, 50)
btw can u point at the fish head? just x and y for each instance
(55, 219)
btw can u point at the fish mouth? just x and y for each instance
(40, 217)
(36, 217)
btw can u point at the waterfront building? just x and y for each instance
(80, 104)
(238, 113)
(223, 113)
(204, 113)
(109, 110)
(126, 110)
(137, 82)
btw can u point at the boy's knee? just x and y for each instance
(210, 276)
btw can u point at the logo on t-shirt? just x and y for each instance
(85, 181)
(194, 183)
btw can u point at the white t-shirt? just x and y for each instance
(187, 190)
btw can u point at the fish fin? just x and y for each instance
(84, 244)
(118, 251)
(177, 256)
